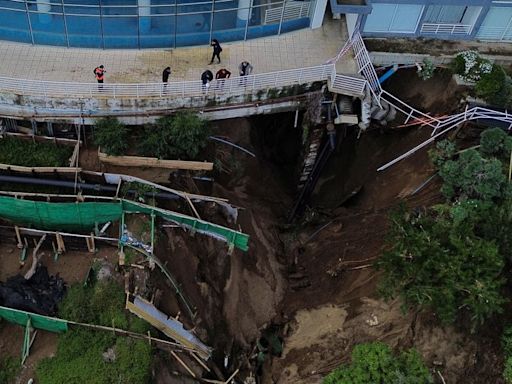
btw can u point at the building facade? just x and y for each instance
(444, 19)
(113, 24)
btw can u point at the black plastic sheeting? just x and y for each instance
(39, 294)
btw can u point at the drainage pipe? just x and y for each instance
(80, 185)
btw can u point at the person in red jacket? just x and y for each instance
(220, 76)
(99, 72)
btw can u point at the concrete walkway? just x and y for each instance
(297, 49)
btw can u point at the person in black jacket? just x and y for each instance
(206, 77)
(165, 77)
(217, 49)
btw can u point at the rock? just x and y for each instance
(109, 355)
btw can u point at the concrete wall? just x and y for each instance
(140, 111)
(387, 58)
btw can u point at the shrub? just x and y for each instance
(495, 87)
(18, 151)
(111, 135)
(472, 176)
(494, 142)
(375, 363)
(471, 66)
(427, 69)
(506, 343)
(182, 136)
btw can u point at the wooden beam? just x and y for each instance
(19, 168)
(138, 161)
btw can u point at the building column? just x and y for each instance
(144, 15)
(243, 13)
(318, 14)
(42, 6)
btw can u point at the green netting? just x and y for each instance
(58, 216)
(36, 321)
(238, 239)
(83, 216)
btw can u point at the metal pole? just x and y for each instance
(29, 23)
(281, 20)
(65, 23)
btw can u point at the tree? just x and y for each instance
(435, 261)
(495, 87)
(376, 363)
(111, 135)
(450, 258)
(181, 136)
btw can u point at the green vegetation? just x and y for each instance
(111, 135)
(506, 343)
(9, 367)
(79, 357)
(376, 363)
(16, 151)
(181, 136)
(450, 258)
(491, 81)
(427, 69)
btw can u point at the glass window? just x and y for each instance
(10, 4)
(257, 25)
(81, 10)
(227, 26)
(161, 33)
(193, 29)
(14, 26)
(48, 29)
(84, 32)
(120, 32)
(397, 18)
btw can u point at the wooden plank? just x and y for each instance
(137, 161)
(20, 168)
(42, 138)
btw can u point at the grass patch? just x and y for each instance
(17, 151)
(9, 367)
(79, 357)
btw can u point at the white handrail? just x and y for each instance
(228, 87)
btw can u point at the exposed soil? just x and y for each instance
(72, 266)
(435, 47)
(314, 280)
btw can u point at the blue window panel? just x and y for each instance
(452, 14)
(397, 18)
(44, 6)
(406, 18)
(84, 32)
(119, 11)
(380, 19)
(12, 4)
(254, 32)
(496, 25)
(120, 32)
(225, 20)
(293, 25)
(194, 8)
(226, 28)
(14, 26)
(76, 10)
(43, 22)
(48, 29)
(193, 29)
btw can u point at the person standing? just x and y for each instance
(206, 77)
(165, 77)
(217, 49)
(244, 69)
(99, 72)
(221, 76)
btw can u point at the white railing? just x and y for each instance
(347, 85)
(292, 10)
(227, 87)
(447, 29)
(365, 65)
(445, 124)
